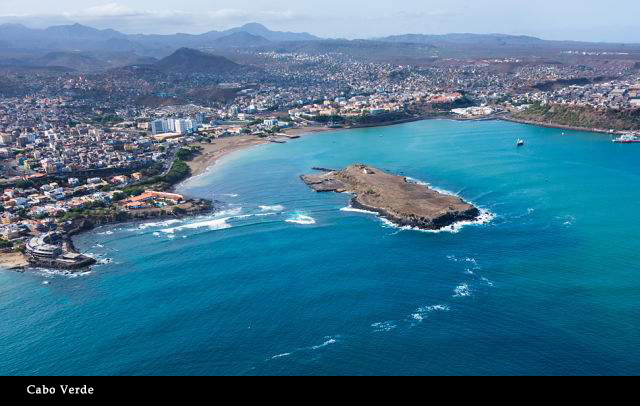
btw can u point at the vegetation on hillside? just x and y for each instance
(366, 119)
(582, 116)
(4, 244)
(179, 171)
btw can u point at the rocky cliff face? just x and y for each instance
(394, 198)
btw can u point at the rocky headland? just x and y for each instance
(393, 197)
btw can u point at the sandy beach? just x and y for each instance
(13, 260)
(219, 148)
(223, 146)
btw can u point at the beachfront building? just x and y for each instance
(45, 246)
(151, 199)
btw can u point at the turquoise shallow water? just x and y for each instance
(550, 286)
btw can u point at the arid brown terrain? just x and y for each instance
(394, 198)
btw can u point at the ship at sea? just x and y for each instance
(627, 139)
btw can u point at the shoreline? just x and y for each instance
(13, 261)
(395, 198)
(561, 126)
(18, 261)
(225, 146)
(222, 147)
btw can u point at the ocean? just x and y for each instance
(286, 281)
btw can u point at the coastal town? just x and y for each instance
(80, 149)
(337, 188)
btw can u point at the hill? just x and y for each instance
(241, 39)
(464, 39)
(71, 60)
(186, 60)
(260, 30)
(581, 117)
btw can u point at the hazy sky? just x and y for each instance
(592, 20)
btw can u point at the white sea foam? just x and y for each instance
(229, 212)
(417, 181)
(567, 220)
(286, 354)
(263, 215)
(471, 264)
(302, 219)
(462, 291)
(276, 207)
(327, 343)
(154, 224)
(487, 281)
(215, 221)
(384, 327)
(50, 273)
(99, 258)
(437, 308)
(354, 210)
(485, 216)
(109, 232)
(421, 312)
(215, 224)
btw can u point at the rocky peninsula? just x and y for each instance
(394, 197)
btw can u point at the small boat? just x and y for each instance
(626, 139)
(520, 142)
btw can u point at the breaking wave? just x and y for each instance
(422, 312)
(384, 327)
(485, 216)
(51, 273)
(354, 210)
(302, 219)
(215, 224)
(274, 208)
(462, 291)
(286, 354)
(329, 341)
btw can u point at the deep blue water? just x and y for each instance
(550, 286)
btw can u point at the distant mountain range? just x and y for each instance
(82, 48)
(466, 39)
(78, 37)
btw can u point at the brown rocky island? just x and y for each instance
(393, 197)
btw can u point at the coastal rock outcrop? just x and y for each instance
(395, 198)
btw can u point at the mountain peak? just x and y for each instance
(275, 36)
(255, 26)
(13, 25)
(194, 61)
